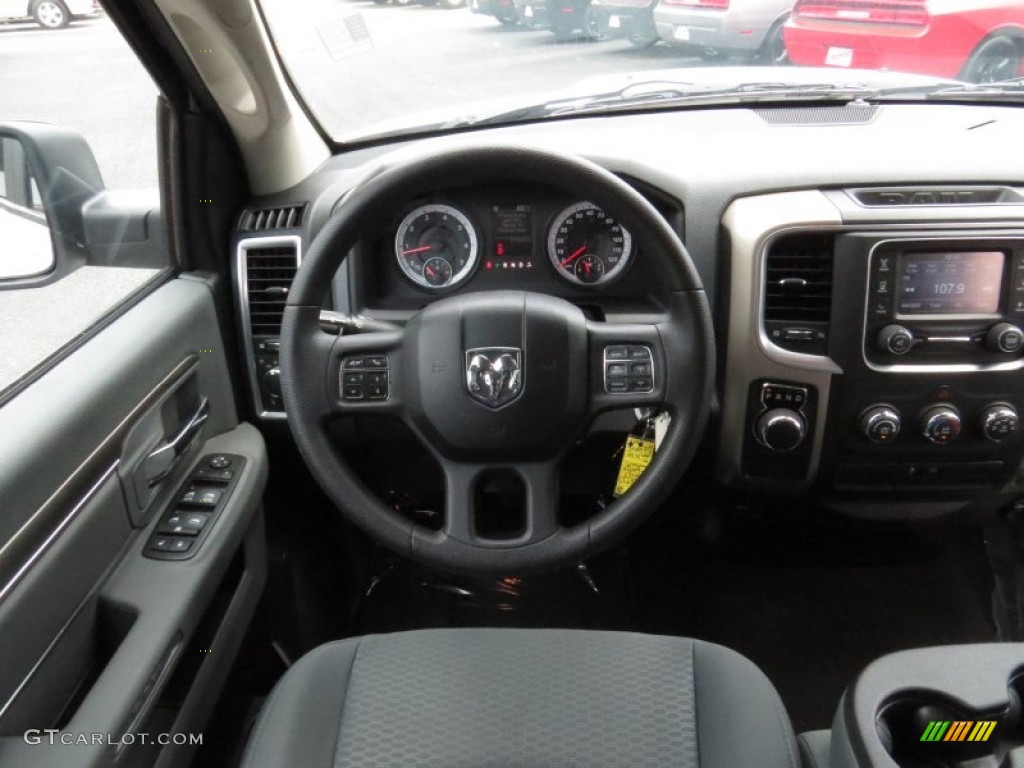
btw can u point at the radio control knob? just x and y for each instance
(940, 424)
(1004, 337)
(780, 429)
(998, 422)
(880, 424)
(895, 340)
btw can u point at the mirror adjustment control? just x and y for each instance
(895, 340)
(940, 424)
(880, 424)
(999, 422)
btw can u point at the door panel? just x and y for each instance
(91, 630)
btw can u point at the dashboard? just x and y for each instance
(868, 314)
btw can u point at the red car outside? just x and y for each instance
(975, 40)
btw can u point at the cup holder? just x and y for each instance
(927, 729)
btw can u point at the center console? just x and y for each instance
(943, 707)
(901, 336)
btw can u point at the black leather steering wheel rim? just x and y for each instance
(310, 360)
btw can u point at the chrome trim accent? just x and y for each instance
(68, 519)
(242, 305)
(1009, 365)
(180, 371)
(64, 523)
(752, 223)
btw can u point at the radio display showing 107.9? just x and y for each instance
(950, 282)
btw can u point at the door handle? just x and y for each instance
(161, 462)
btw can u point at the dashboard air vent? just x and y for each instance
(263, 219)
(269, 271)
(798, 292)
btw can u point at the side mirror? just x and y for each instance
(51, 180)
(28, 249)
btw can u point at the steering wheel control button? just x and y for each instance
(364, 378)
(940, 424)
(880, 424)
(631, 369)
(219, 462)
(616, 370)
(780, 429)
(895, 340)
(999, 422)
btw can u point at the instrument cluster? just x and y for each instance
(444, 243)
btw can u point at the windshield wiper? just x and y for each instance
(657, 94)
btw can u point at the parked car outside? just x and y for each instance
(977, 41)
(503, 10)
(49, 14)
(716, 29)
(631, 19)
(565, 18)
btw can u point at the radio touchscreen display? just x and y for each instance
(962, 282)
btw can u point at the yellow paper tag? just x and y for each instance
(635, 457)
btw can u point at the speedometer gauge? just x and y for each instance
(587, 246)
(436, 246)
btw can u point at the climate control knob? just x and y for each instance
(940, 424)
(880, 424)
(780, 429)
(998, 422)
(1004, 337)
(895, 340)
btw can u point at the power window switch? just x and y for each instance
(180, 524)
(214, 475)
(170, 544)
(200, 498)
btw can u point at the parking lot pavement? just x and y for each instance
(407, 60)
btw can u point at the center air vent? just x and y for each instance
(798, 292)
(263, 219)
(269, 271)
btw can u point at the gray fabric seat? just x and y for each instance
(483, 698)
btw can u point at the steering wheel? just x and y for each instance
(497, 381)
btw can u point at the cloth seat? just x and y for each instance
(528, 698)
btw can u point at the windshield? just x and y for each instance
(373, 68)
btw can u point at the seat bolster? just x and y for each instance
(299, 724)
(741, 720)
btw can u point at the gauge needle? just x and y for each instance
(429, 271)
(421, 249)
(574, 255)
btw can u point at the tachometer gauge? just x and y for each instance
(587, 246)
(436, 246)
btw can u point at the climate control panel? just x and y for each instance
(939, 424)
